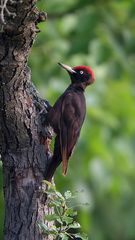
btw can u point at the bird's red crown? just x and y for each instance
(85, 69)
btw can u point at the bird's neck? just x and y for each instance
(78, 87)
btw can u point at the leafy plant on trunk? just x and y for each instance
(64, 225)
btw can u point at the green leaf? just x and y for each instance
(67, 219)
(44, 227)
(61, 211)
(70, 212)
(50, 192)
(68, 194)
(80, 236)
(64, 236)
(48, 230)
(59, 221)
(51, 217)
(53, 230)
(59, 195)
(49, 184)
(57, 203)
(74, 225)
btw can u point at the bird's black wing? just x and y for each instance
(71, 120)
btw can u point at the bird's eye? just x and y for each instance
(81, 72)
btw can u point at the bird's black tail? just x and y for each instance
(55, 160)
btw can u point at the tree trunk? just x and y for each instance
(24, 157)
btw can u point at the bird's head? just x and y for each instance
(80, 74)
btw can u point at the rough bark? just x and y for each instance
(24, 157)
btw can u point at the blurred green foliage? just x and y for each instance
(100, 34)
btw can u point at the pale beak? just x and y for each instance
(66, 67)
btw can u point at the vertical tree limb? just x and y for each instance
(24, 157)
